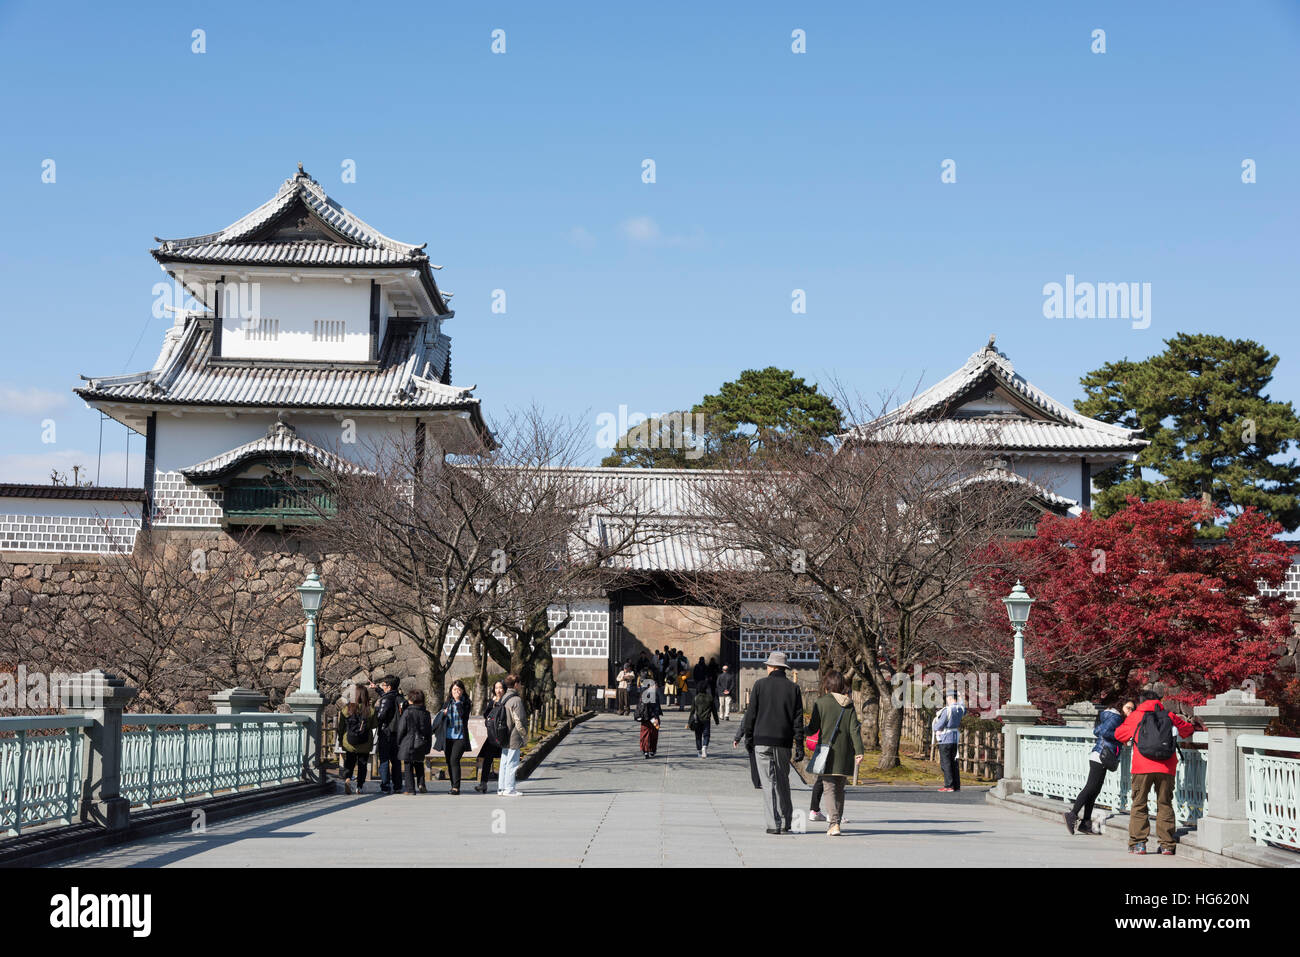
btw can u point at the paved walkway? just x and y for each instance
(595, 802)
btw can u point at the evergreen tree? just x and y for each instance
(1215, 434)
(746, 414)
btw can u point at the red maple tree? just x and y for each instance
(1137, 598)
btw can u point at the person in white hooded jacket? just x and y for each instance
(947, 734)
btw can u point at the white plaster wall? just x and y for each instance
(1062, 477)
(194, 437)
(296, 305)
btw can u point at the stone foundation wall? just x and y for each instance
(344, 653)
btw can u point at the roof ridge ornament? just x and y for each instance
(280, 429)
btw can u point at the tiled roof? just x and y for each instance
(309, 253)
(677, 534)
(406, 376)
(927, 417)
(280, 440)
(676, 546)
(84, 493)
(1009, 434)
(354, 241)
(660, 492)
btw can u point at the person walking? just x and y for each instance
(356, 727)
(387, 713)
(1155, 760)
(670, 676)
(414, 739)
(704, 707)
(725, 687)
(516, 720)
(649, 712)
(1104, 757)
(947, 735)
(818, 787)
(452, 731)
(625, 677)
(491, 750)
(835, 721)
(774, 718)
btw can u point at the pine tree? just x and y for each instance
(745, 415)
(1215, 434)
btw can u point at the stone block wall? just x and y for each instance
(345, 652)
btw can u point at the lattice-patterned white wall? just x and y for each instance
(587, 635)
(177, 503)
(768, 628)
(1290, 585)
(68, 533)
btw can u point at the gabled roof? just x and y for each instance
(299, 225)
(406, 376)
(1033, 420)
(280, 442)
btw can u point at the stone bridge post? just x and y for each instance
(102, 697)
(237, 701)
(1081, 714)
(1013, 716)
(1226, 718)
(311, 704)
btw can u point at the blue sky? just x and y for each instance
(775, 171)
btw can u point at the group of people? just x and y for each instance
(1154, 732)
(649, 712)
(403, 732)
(774, 734)
(676, 680)
(399, 730)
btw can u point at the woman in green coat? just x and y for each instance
(355, 728)
(835, 721)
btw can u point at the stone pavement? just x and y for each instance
(596, 803)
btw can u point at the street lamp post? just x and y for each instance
(312, 593)
(1018, 606)
(1017, 713)
(307, 701)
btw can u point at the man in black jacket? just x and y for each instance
(386, 715)
(774, 719)
(726, 684)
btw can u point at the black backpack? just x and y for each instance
(498, 726)
(1155, 735)
(357, 735)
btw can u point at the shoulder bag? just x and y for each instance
(821, 757)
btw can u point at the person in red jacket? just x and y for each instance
(1152, 730)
